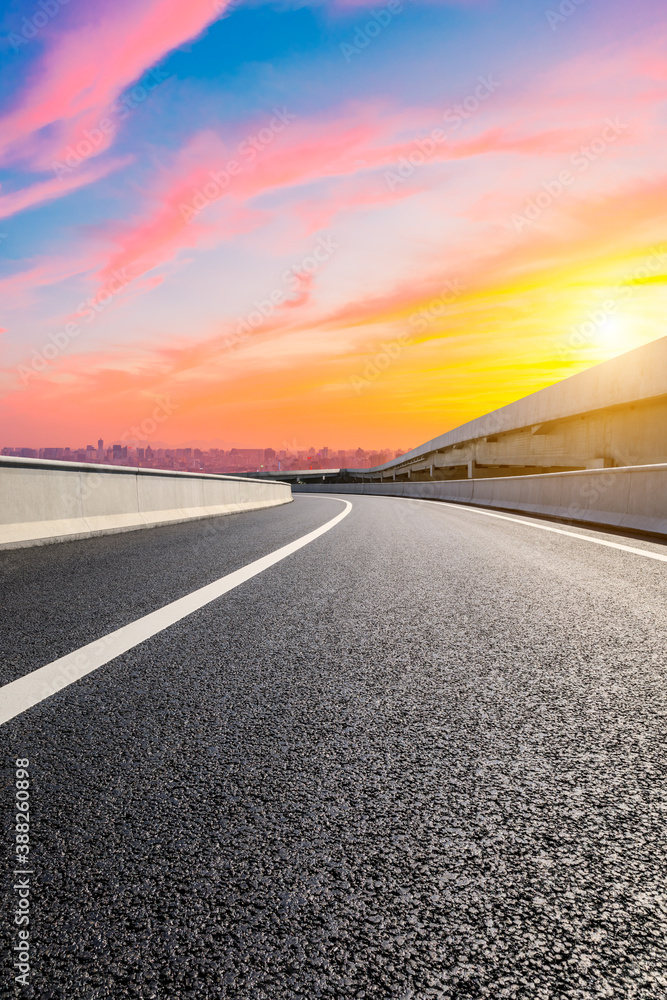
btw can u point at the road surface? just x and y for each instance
(423, 756)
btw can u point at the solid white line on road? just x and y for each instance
(23, 693)
(543, 527)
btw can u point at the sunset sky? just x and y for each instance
(331, 223)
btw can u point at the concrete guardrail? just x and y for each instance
(632, 498)
(43, 501)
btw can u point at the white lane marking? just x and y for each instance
(536, 524)
(23, 693)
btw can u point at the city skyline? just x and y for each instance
(212, 460)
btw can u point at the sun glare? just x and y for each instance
(615, 333)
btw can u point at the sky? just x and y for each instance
(273, 224)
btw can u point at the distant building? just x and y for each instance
(246, 458)
(21, 452)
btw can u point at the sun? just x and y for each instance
(615, 333)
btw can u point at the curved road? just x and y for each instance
(421, 757)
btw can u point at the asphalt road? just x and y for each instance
(423, 757)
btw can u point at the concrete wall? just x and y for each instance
(43, 501)
(633, 498)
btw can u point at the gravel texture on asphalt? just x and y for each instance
(423, 757)
(56, 598)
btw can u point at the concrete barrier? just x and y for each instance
(632, 498)
(43, 501)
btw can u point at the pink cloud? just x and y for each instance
(304, 289)
(351, 195)
(44, 191)
(89, 66)
(173, 219)
(186, 207)
(16, 288)
(619, 77)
